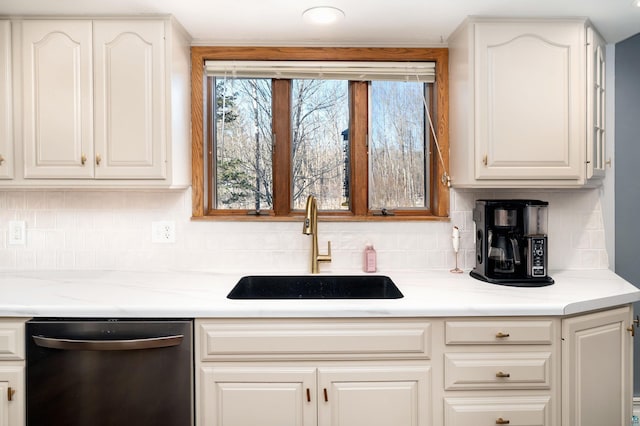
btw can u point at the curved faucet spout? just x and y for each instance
(310, 227)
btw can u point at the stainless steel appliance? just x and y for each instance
(108, 372)
(511, 242)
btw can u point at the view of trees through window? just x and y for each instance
(320, 163)
(397, 146)
(243, 144)
(319, 121)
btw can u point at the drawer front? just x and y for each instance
(11, 340)
(512, 411)
(538, 332)
(314, 340)
(531, 370)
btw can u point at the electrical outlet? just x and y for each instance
(17, 233)
(163, 232)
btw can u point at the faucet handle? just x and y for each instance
(326, 257)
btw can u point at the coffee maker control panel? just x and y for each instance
(538, 262)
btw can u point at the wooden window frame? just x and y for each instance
(358, 130)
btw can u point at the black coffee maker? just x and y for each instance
(511, 242)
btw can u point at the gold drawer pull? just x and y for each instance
(501, 335)
(502, 421)
(10, 393)
(308, 395)
(1, 160)
(98, 159)
(83, 159)
(502, 375)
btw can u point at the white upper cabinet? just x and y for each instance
(596, 85)
(519, 103)
(105, 103)
(6, 107)
(57, 99)
(129, 99)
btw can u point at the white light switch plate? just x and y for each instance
(163, 232)
(17, 233)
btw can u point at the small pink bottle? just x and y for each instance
(369, 259)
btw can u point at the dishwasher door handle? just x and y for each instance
(108, 345)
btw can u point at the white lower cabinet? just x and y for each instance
(304, 396)
(596, 371)
(501, 371)
(374, 396)
(266, 396)
(12, 386)
(309, 372)
(505, 410)
(482, 371)
(12, 397)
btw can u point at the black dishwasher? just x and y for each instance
(108, 372)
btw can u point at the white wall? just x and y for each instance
(112, 230)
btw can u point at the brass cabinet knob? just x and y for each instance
(1, 159)
(501, 335)
(98, 159)
(502, 375)
(501, 421)
(83, 159)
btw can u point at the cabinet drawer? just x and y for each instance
(312, 339)
(11, 340)
(514, 411)
(529, 370)
(499, 332)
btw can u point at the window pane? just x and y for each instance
(397, 164)
(243, 144)
(319, 143)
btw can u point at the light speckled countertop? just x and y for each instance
(203, 294)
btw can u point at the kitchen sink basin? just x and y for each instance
(315, 287)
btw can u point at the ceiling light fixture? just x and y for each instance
(322, 15)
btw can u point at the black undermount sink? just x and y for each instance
(315, 287)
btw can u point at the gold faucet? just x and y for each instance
(310, 227)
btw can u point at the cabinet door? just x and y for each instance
(596, 369)
(596, 149)
(6, 102)
(57, 76)
(374, 396)
(529, 100)
(265, 396)
(129, 99)
(12, 396)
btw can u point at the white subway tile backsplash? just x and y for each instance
(25, 259)
(71, 229)
(65, 259)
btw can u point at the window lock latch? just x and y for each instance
(384, 212)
